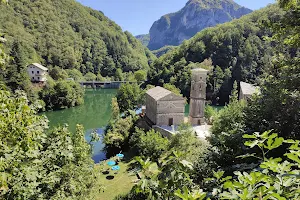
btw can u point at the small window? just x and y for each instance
(32, 72)
(38, 78)
(38, 72)
(170, 121)
(32, 78)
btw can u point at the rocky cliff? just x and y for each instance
(172, 29)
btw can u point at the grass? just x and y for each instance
(121, 184)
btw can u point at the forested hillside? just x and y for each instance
(69, 35)
(237, 49)
(196, 15)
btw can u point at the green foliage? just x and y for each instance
(15, 74)
(237, 46)
(234, 93)
(140, 75)
(3, 56)
(172, 88)
(227, 131)
(40, 164)
(210, 113)
(287, 29)
(172, 174)
(118, 132)
(129, 96)
(149, 144)
(115, 108)
(62, 94)
(119, 75)
(58, 73)
(276, 178)
(163, 50)
(75, 74)
(71, 36)
(188, 143)
(276, 106)
(90, 76)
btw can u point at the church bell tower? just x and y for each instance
(198, 96)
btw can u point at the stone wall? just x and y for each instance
(151, 108)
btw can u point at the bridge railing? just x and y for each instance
(109, 82)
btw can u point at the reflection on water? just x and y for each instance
(94, 114)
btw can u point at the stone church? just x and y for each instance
(164, 108)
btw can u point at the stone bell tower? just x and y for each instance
(198, 96)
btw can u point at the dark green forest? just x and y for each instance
(72, 41)
(238, 51)
(163, 50)
(253, 151)
(69, 35)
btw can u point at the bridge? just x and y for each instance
(106, 84)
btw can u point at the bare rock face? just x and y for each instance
(172, 29)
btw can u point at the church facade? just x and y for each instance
(164, 108)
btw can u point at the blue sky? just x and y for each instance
(137, 16)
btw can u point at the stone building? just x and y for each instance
(37, 72)
(247, 90)
(198, 96)
(164, 108)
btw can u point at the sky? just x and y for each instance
(137, 16)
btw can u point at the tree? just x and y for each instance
(287, 29)
(140, 75)
(38, 163)
(234, 93)
(172, 174)
(172, 88)
(149, 144)
(276, 107)
(90, 76)
(3, 56)
(118, 132)
(58, 73)
(238, 47)
(62, 94)
(277, 178)
(129, 96)
(115, 108)
(227, 131)
(188, 143)
(119, 75)
(75, 74)
(210, 113)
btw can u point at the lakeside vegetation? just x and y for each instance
(253, 151)
(73, 41)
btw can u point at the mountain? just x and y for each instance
(144, 38)
(234, 51)
(67, 34)
(174, 28)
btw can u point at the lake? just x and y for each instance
(94, 114)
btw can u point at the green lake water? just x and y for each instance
(94, 114)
